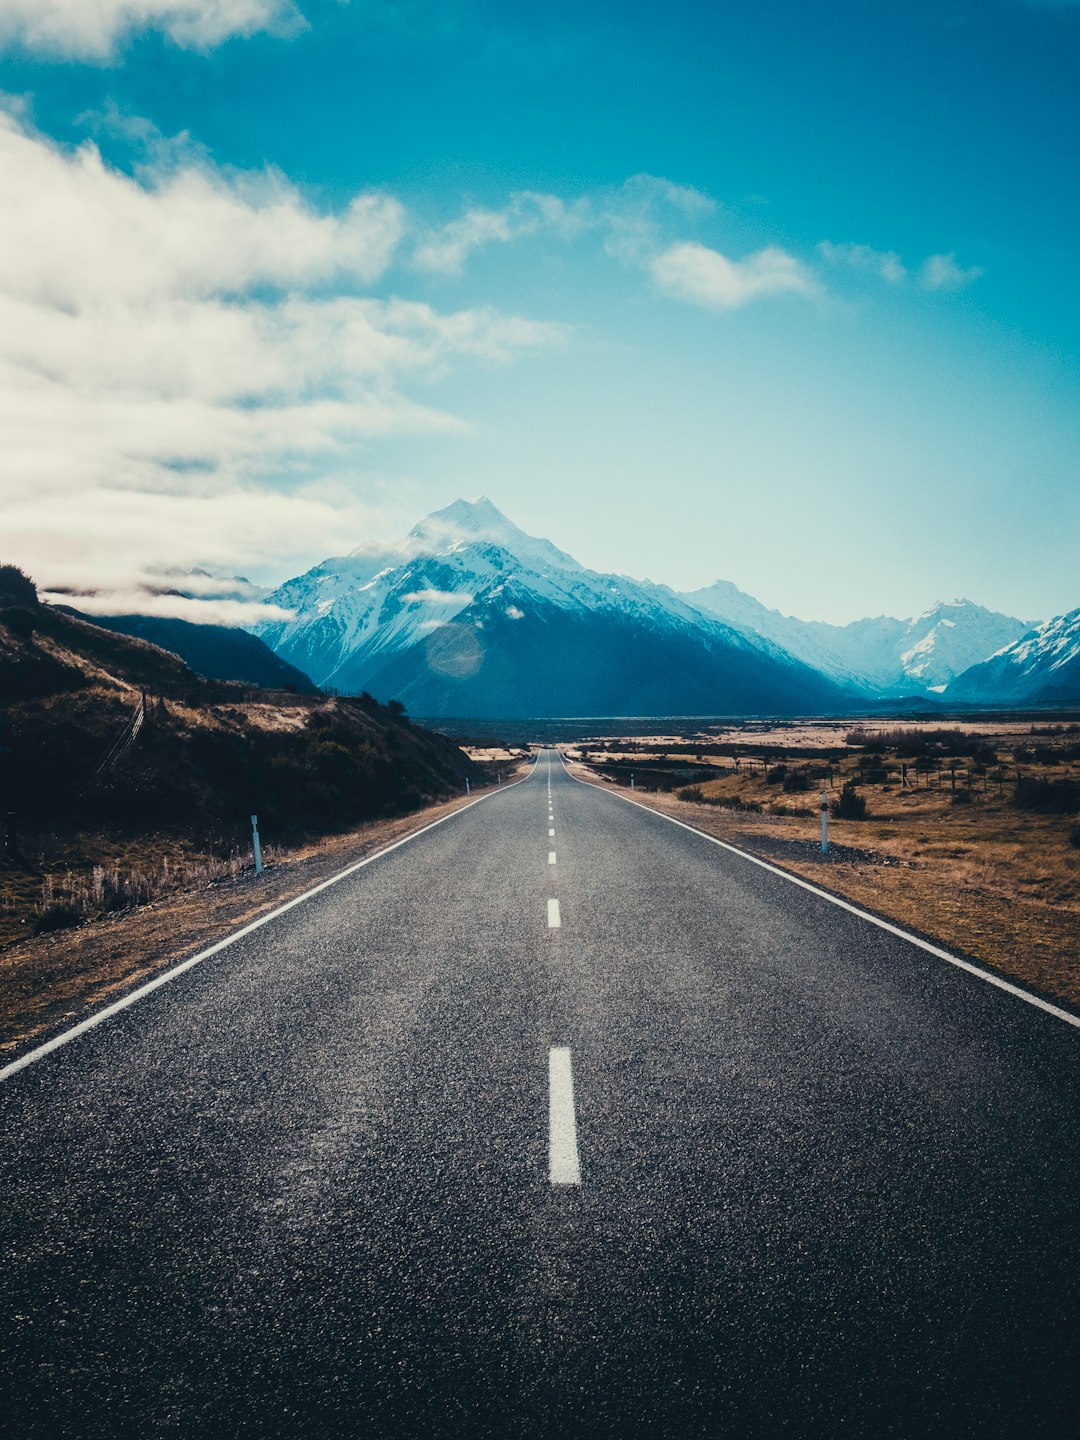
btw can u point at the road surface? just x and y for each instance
(557, 1120)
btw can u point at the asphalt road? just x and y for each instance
(709, 1157)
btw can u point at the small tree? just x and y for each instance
(849, 804)
(16, 587)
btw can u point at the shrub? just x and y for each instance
(16, 587)
(19, 621)
(58, 916)
(776, 774)
(691, 792)
(796, 782)
(1074, 837)
(962, 797)
(848, 805)
(1051, 797)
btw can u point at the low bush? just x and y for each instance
(1050, 797)
(848, 805)
(58, 916)
(1074, 837)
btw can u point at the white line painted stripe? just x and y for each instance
(169, 975)
(981, 974)
(554, 918)
(551, 833)
(563, 1167)
(551, 857)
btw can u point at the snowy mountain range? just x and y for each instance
(882, 655)
(470, 616)
(1042, 668)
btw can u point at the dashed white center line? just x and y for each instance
(551, 857)
(554, 918)
(563, 1167)
(551, 833)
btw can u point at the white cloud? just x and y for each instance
(235, 613)
(886, 264)
(94, 29)
(628, 215)
(937, 272)
(457, 599)
(941, 272)
(445, 250)
(693, 272)
(180, 352)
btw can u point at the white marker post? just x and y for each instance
(468, 787)
(255, 841)
(631, 779)
(824, 822)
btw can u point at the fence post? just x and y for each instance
(824, 822)
(255, 841)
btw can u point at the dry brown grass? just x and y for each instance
(997, 883)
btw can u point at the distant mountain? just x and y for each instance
(879, 655)
(218, 652)
(1041, 668)
(470, 616)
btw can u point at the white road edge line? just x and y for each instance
(40, 1051)
(554, 918)
(563, 1166)
(987, 975)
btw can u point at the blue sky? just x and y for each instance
(785, 295)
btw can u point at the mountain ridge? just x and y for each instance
(464, 580)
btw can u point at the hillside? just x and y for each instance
(217, 652)
(90, 775)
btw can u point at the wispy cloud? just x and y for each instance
(445, 250)
(937, 272)
(705, 277)
(884, 263)
(179, 351)
(941, 272)
(95, 29)
(630, 217)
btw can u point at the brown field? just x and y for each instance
(965, 867)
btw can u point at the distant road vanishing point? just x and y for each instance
(557, 1120)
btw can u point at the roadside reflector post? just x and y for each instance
(824, 822)
(255, 842)
(631, 779)
(468, 787)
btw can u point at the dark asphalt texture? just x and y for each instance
(829, 1182)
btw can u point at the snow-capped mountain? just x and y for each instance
(1041, 668)
(471, 616)
(880, 654)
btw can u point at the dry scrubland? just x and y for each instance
(978, 850)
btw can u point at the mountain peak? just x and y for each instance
(466, 522)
